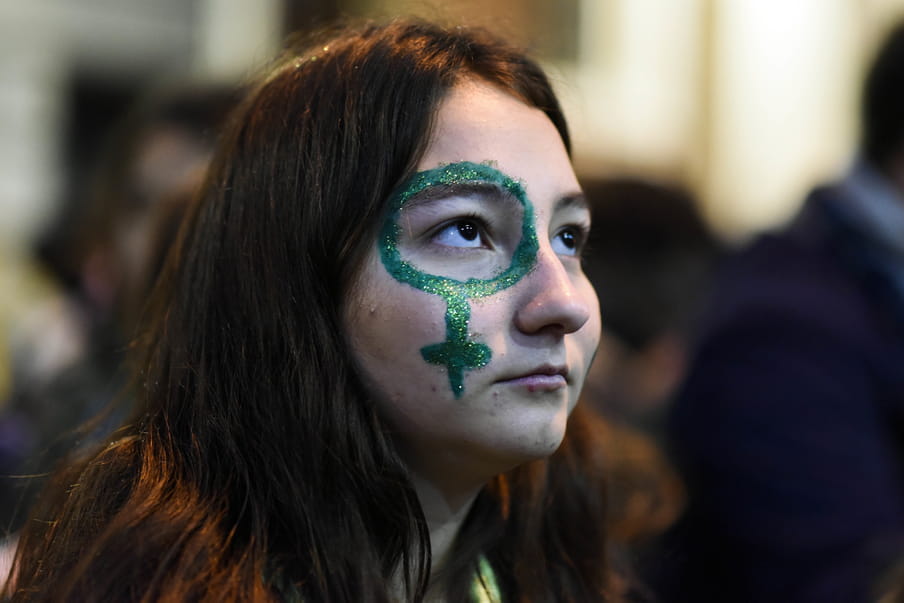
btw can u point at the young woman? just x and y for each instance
(364, 351)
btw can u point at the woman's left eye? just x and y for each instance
(461, 233)
(568, 241)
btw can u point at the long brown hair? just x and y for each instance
(259, 466)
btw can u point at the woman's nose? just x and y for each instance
(551, 301)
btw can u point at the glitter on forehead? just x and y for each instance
(458, 353)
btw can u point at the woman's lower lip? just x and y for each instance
(538, 382)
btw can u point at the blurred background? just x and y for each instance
(745, 103)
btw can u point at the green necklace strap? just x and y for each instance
(485, 589)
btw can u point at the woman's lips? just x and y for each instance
(539, 383)
(541, 379)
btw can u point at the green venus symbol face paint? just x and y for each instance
(469, 319)
(459, 352)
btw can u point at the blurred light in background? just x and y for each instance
(634, 96)
(783, 101)
(235, 36)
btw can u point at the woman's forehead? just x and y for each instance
(480, 123)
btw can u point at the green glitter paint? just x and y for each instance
(458, 352)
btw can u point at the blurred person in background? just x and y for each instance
(790, 426)
(67, 353)
(651, 257)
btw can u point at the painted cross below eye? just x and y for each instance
(459, 352)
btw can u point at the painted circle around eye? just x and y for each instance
(524, 256)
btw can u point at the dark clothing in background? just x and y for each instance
(790, 425)
(41, 422)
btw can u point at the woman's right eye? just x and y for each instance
(461, 233)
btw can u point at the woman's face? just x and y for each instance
(472, 321)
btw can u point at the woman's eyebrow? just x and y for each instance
(485, 190)
(575, 200)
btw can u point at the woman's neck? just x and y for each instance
(445, 510)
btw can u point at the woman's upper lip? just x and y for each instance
(543, 369)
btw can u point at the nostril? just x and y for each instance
(554, 309)
(575, 315)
